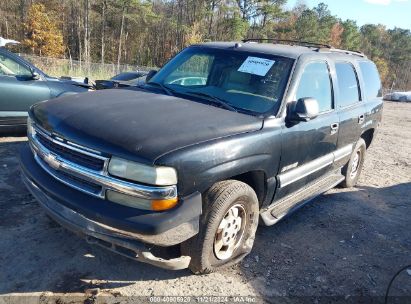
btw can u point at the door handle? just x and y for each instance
(334, 128)
(361, 118)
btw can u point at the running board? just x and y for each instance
(279, 209)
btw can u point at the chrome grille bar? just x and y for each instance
(72, 146)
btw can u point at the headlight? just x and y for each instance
(160, 176)
(30, 128)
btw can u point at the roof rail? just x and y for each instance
(320, 46)
(292, 42)
(348, 52)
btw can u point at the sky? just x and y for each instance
(392, 13)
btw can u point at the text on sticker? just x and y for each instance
(256, 66)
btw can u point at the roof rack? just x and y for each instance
(292, 42)
(319, 46)
(348, 52)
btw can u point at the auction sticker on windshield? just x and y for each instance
(256, 66)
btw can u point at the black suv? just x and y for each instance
(179, 172)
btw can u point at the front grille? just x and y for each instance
(85, 169)
(71, 155)
(81, 183)
(72, 180)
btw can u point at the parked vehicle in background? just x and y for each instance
(22, 85)
(125, 79)
(398, 96)
(225, 135)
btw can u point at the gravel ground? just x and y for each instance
(347, 243)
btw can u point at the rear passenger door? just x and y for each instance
(350, 107)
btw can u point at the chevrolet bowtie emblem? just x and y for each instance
(52, 161)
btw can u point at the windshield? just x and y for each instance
(248, 82)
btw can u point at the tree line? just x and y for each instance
(149, 32)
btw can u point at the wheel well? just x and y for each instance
(368, 136)
(256, 180)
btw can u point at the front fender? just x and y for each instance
(200, 166)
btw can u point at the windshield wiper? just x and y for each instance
(163, 87)
(213, 98)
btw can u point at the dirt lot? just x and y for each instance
(347, 243)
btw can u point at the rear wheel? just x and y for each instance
(353, 168)
(227, 227)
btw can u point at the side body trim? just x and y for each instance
(291, 176)
(343, 152)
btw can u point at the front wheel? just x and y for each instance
(353, 168)
(227, 227)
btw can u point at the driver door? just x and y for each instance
(18, 89)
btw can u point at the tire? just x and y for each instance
(221, 202)
(351, 175)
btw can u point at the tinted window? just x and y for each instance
(347, 84)
(371, 80)
(315, 82)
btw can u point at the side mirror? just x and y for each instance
(150, 75)
(34, 74)
(304, 109)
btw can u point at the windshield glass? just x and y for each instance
(248, 82)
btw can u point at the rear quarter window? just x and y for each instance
(372, 81)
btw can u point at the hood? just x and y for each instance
(138, 125)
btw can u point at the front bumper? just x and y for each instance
(127, 231)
